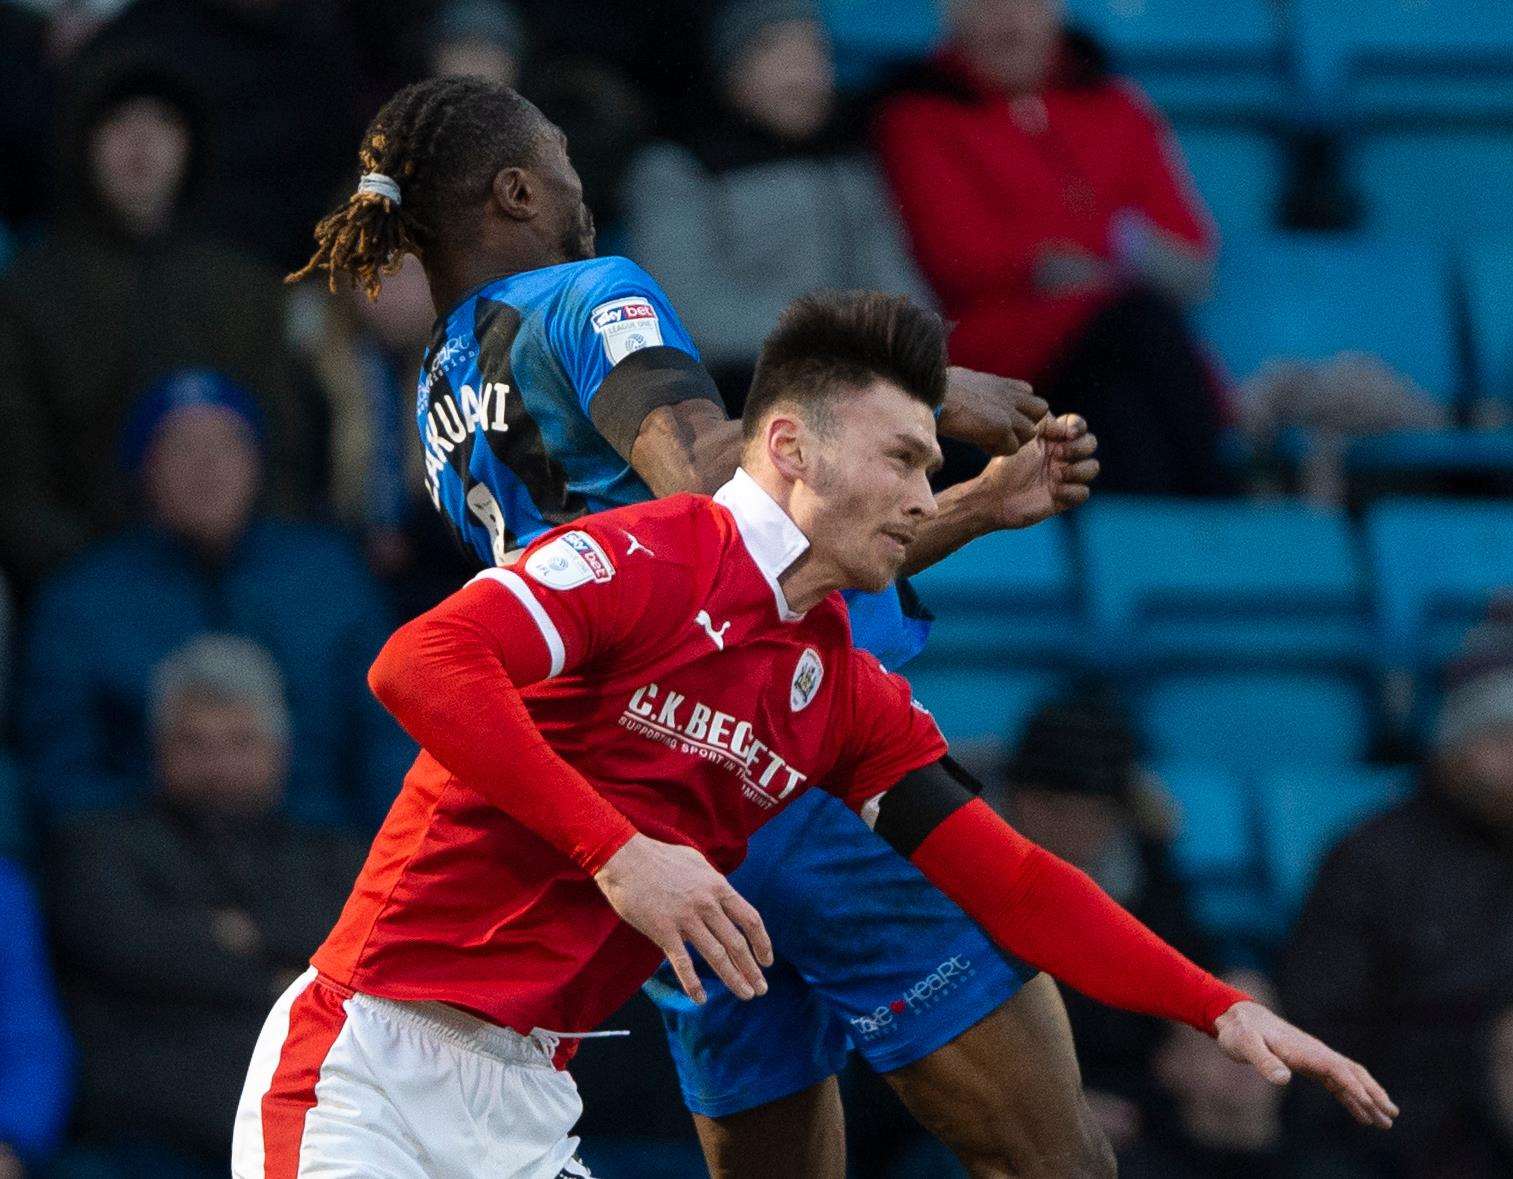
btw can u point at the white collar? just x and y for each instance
(774, 541)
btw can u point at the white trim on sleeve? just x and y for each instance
(512, 582)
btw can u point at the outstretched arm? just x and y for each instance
(1042, 468)
(1045, 911)
(1043, 478)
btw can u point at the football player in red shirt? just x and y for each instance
(603, 725)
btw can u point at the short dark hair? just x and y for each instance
(832, 342)
(442, 141)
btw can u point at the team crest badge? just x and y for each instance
(806, 680)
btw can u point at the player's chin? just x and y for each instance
(883, 571)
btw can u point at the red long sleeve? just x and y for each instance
(449, 677)
(1045, 911)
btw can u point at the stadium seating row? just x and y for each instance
(1245, 632)
(1370, 59)
(1249, 846)
(1420, 91)
(1443, 181)
(1308, 296)
(1319, 59)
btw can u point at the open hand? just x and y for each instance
(1276, 1049)
(995, 414)
(1050, 474)
(674, 896)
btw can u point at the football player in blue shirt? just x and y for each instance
(558, 383)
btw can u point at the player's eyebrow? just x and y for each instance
(921, 450)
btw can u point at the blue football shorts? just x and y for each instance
(869, 954)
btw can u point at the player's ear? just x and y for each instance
(788, 445)
(514, 193)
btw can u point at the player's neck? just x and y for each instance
(809, 581)
(811, 578)
(451, 279)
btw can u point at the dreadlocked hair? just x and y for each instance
(442, 141)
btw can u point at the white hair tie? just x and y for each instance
(383, 185)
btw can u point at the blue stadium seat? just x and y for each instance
(1248, 720)
(1216, 852)
(1200, 583)
(1488, 264)
(1308, 297)
(1376, 58)
(1199, 56)
(872, 38)
(1449, 182)
(980, 703)
(1305, 810)
(1008, 596)
(1437, 565)
(1238, 172)
(1216, 829)
(1428, 453)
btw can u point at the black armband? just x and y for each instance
(646, 380)
(923, 800)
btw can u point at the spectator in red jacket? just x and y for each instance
(1047, 206)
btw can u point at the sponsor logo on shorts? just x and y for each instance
(917, 998)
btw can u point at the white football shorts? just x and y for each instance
(348, 1086)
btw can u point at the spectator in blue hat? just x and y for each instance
(118, 293)
(203, 557)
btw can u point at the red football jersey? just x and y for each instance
(687, 692)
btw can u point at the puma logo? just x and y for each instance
(637, 546)
(717, 637)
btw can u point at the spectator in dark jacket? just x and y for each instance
(1403, 957)
(1049, 209)
(203, 560)
(773, 199)
(179, 923)
(1075, 786)
(117, 295)
(285, 79)
(36, 1063)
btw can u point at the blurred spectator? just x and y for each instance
(365, 354)
(657, 45)
(26, 116)
(1403, 958)
(282, 79)
(1048, 208)
(1221, 1120)
(1076, 787)
(179, 923)
(36, 1067)
(477, 38)
(773, 200)
(113, 298)
(205, 559)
